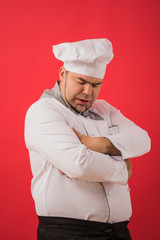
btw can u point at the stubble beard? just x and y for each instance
(75, 107)
(69, 104)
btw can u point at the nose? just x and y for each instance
(87, 89)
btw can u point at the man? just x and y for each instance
(79, 150)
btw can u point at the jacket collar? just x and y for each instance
(56, 93)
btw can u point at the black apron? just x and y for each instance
(59, 228)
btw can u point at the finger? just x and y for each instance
(76, 132)
(73, 129)
(61, 172)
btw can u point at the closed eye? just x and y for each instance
(95, 85)
(81, 83)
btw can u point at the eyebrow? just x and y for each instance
(97, 83)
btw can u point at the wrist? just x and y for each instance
(111, 149)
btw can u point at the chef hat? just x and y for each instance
(88, 57)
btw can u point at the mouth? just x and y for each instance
(82, 101)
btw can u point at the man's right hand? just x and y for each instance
(129, 167)
(98, 144)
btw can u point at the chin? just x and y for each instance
(81, 109)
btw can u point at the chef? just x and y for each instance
(79, 150)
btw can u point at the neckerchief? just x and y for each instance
(56, 93)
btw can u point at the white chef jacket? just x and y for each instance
(97, 187)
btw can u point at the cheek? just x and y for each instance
(95, 93)
(72, 91)
(76, 90)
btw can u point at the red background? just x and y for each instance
(28, 31)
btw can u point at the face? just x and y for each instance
(79, 91)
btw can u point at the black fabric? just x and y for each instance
(57, 228)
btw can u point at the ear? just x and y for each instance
(61, 73)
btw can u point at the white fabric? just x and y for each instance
(97, 188)
(87, 57)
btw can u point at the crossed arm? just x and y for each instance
(98, 144)
(45, 127)
(102, 145)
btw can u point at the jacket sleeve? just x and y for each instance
(47, 133)
(130, 139)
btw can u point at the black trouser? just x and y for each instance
(58, 228)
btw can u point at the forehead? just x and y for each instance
(85, 78)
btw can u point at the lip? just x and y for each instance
(82, 101)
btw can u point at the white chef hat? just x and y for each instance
(88, 57)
